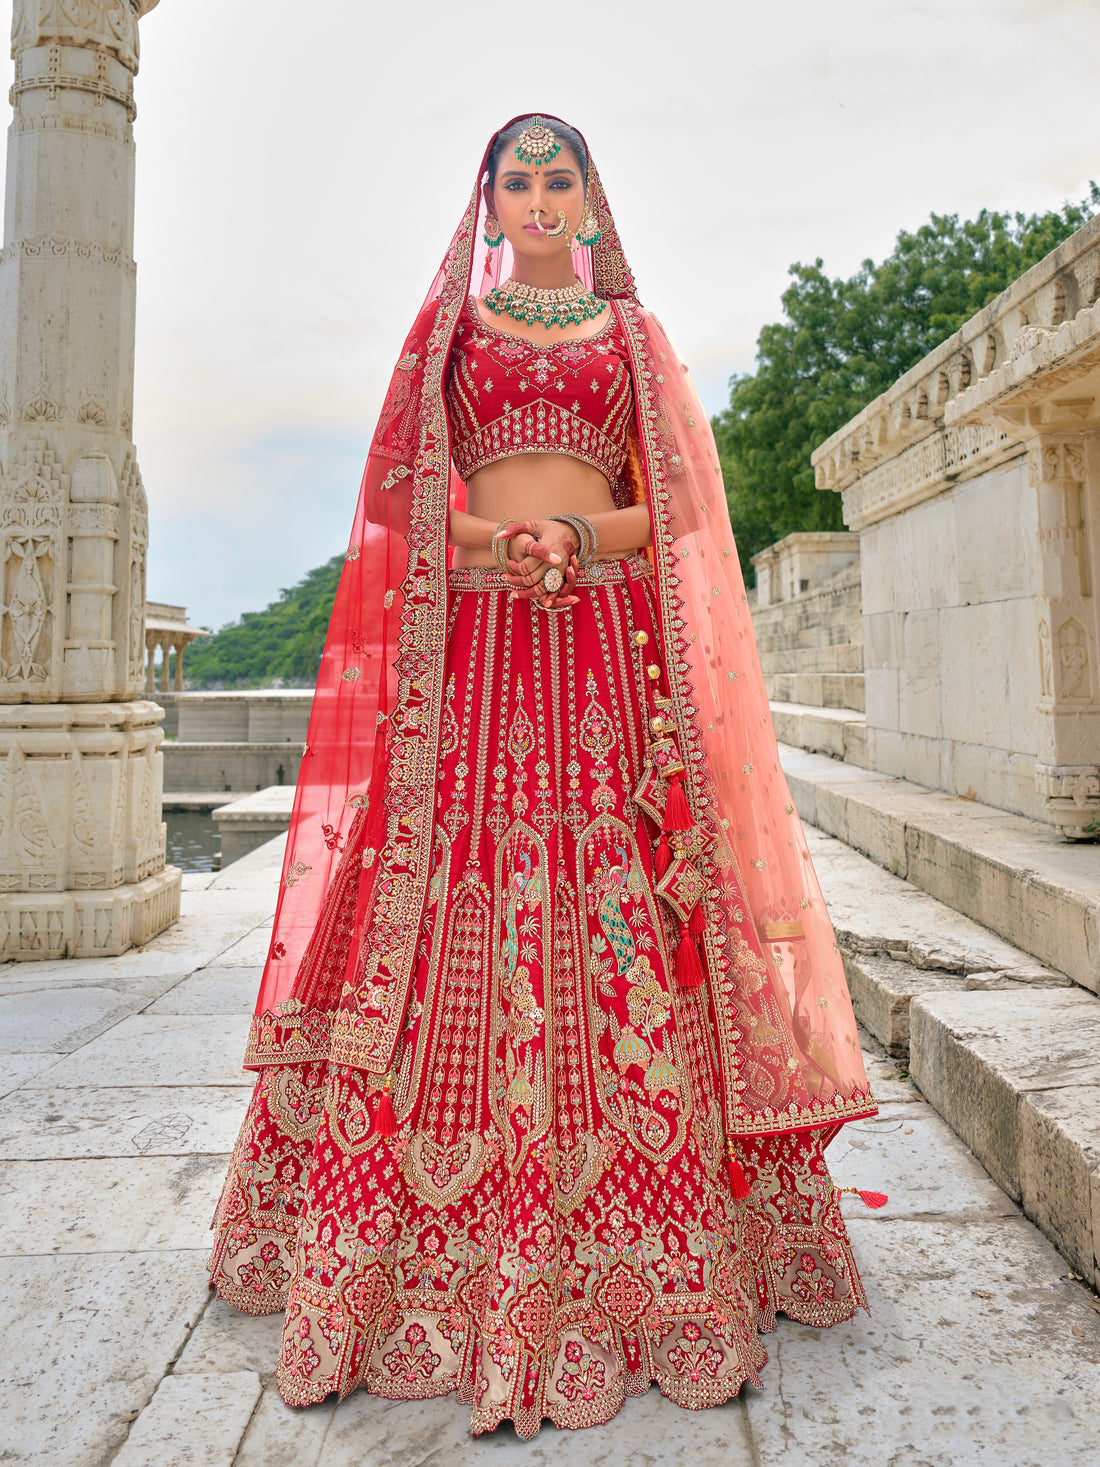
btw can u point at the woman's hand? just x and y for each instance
(533, 548)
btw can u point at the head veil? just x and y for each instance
(357, 864)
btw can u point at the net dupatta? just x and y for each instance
(358, 858)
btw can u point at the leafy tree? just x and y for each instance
(845, 341)
(279, 646)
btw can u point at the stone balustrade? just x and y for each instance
(974, 483)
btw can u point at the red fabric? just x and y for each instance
(506, 396)
(556, 1223)
(319, 1213)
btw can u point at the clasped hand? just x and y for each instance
(533, 547)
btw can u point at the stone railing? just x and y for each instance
(906, 441)
(975, 485)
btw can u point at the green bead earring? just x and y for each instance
(589, 232)
(493, 235)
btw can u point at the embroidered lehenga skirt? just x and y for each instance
(551, 1228)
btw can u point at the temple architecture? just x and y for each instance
(974, 486)
(82, 844)
(167, 631)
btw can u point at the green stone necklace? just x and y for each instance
(527, 303)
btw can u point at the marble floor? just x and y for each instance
(121, 1097)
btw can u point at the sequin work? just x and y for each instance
(551, 1228)
(506, 396)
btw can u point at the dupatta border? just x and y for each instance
(367, 1025)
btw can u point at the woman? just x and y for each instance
(553, 1030)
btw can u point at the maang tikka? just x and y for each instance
(537, 144)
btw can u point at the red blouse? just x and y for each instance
(506, 396)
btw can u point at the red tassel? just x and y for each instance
(677, 810)
(738, 1185)
(697, 922)
(385, 1123)
(875, 1199)
(662, 857)
(689, 970)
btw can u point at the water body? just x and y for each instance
(194, 842)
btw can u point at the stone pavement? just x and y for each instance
(122, 1095)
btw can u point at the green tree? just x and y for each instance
(845, 341)
(280, 645)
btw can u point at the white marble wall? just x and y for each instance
(949, 611)
(975, 485)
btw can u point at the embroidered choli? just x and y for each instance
(506, 396)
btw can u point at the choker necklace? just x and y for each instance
(527, 303)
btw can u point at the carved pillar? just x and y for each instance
(82, 867)
(1064, 469)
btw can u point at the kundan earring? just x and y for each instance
(589, 232)
(493, 235)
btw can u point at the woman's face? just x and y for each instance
(524, 193)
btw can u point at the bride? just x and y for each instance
(553, 1030)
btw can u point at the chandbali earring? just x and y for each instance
(493, 235)
(588, 230)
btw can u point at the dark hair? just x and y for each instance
(565, 135)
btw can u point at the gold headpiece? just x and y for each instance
(537, 144)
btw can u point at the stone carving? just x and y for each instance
(134, 493)
(918, 471)
(1050, 460)
(30, 832)
(27, 571)
(41, 408)
(83, 816)
(1073, 659)
(1046, 662)
(112, 24)
(91, 411)
(60, 248)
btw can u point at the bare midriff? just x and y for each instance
(534, 486)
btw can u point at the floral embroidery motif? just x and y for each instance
(582, 1375)
(694, 1356)
(412, 1359)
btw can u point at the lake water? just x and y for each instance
(194, 843)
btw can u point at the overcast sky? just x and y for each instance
(301, 168)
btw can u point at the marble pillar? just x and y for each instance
(82, 843)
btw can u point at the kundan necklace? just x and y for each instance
(568, 306)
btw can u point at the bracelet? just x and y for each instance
(500, 545)
(585, 531)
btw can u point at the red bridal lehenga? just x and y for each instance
(553, 1031)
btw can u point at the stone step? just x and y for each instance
(813, 634)
(839, 732)
(839, 657)
(1014, 875)
(817, 689)
(845, 589)
(1005, 1049)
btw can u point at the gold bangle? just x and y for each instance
(500, 547)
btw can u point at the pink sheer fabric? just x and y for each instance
(336, 981)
